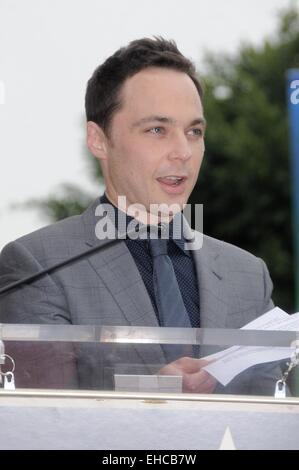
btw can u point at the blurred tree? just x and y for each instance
(245, 182)
(69, 201)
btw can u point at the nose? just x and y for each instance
(180, 147)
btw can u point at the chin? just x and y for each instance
(180, 200)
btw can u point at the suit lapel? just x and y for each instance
(120, 275)
(118, 271)
(212, 292)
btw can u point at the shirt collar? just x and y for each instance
(179, 239)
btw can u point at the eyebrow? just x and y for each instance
(166, 120)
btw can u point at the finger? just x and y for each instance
(190, 365)
(206, 387)
(170, 369)
(195, 383)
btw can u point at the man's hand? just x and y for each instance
(195, 380)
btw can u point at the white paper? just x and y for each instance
(234, 360)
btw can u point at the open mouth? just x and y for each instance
(172, 180)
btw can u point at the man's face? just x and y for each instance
(156, 144)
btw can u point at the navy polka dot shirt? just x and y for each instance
(183, 265)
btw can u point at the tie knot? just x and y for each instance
(158, 247)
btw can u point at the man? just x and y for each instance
(146, 127)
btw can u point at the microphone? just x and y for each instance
(107, 243)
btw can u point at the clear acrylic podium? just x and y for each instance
(91, 387)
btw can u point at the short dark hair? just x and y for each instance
(102, 97)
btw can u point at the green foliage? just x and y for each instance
(245, 182)
(70, 201)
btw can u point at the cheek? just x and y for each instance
(197, 162)
(200, 154)
(136, 159)
(142, 163)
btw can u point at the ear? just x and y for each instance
(96, 141)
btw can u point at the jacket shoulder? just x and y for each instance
(48, 244)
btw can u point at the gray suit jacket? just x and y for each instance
(106, 288)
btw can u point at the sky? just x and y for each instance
(49, 49)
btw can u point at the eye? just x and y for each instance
(156, 130)
(196, 132)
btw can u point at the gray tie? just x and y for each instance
(170, 304)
